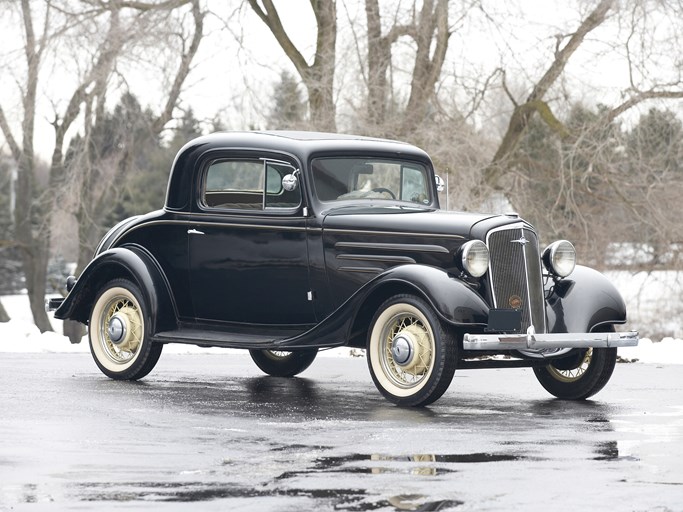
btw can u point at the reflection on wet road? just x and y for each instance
(209, 430)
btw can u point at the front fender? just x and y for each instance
(130, 262)
(452, 299)
(583, 301)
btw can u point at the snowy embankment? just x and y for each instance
(654, 301)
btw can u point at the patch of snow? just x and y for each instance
(653, 302)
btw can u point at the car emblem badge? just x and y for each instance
(522, 241)
(515, 302)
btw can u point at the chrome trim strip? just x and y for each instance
(392, 247)
(366, 270)
(394, 233)
(206, 224)
(531, 340)
(376, 257)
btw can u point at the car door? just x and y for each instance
(248, 245)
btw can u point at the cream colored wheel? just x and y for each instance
(578, 375)
(403, 349)
(118, 334)
(410, 356)
(573, 374)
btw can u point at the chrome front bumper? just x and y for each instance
(531, 340)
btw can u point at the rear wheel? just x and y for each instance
(119, 332)
(579, 375)
(411, 356)
(281, 363)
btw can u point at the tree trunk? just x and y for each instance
(35, 270)
(319, 76)
(4, 317)
(89, 237)
(432, 31)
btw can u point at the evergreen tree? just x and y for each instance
(11, 274)
(289, 108)
(145, 185)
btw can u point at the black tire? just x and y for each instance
(411, 355)
(281, 363)
(579, 375)
(119, 332)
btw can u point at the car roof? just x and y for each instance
(300, 144)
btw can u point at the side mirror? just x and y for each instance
(440, 183)
(290, 182)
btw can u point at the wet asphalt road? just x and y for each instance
(209, 431)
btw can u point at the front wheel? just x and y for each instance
(579, 375)
(411, 356)
(119, 332)
(281, 363)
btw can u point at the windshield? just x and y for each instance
(339, 179)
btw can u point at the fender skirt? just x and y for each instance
(130, 262)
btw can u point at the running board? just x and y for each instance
(211, 338)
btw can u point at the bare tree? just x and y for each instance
(120, 29)
(318, 77)
(430, 32)
(537, 102)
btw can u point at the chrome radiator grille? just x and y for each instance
(515, 273)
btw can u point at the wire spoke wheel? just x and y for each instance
(578, 375)
(573, 374)
(119, 334)
(411, 356)
(121, 329)
(407, 373)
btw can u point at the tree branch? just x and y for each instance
(11, 141)
(272, 20)
(638, 98)
(183, 69)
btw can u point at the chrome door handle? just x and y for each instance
(194, 232)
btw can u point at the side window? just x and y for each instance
(413, 186)
(248, 185)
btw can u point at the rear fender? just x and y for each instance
(583, 302)
(130, 262)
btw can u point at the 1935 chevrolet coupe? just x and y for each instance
(284, 243)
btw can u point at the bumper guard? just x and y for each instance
(531, 340)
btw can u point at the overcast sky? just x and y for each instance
(239, 60)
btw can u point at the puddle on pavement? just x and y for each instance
(333, 462)
(352, 500)
(609, 451)
(416, 464)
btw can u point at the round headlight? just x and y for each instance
(560, 258)
(475, 258)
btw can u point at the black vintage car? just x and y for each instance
(285, 243)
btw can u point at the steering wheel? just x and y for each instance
(382, 190)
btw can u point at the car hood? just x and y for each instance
(407, 220)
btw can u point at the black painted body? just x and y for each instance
(311, 275)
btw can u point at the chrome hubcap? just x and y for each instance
(402, 349)
(121, 329)
(406, 351)
(117, 329)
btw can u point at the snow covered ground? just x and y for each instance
(654, 301)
